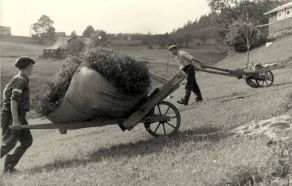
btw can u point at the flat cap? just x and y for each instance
(23, 61)
(172, 47)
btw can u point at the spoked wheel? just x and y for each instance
(165, 128)
(265, 79)
(251, 82)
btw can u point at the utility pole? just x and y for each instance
(167, 63)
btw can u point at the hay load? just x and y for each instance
(99, 83)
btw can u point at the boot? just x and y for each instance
(7, 166)
(185, 100)
(199, 99)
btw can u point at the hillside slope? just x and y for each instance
(108, 156)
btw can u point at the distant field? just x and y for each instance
(161, 58)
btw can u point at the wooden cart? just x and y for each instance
(262, 76)
(160, 118)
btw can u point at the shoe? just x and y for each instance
(122, 127)
(183, 102)
(199, 99)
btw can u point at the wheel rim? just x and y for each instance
(165, 128)
(266, 79)
(251, 82)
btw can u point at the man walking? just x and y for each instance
(15, 105)
(184, 60)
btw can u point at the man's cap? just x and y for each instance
(23, 61)
(172, 47)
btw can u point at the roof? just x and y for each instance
(4, 27)
(60, 34)
(279, 8)
(61, 43)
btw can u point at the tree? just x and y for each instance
(241, 35)
(43, 29)
(75, 46)
(99, 38)
(226, 12)
(51, 33)
(73, 34)
(88, 31)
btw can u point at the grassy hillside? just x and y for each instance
(202, 153)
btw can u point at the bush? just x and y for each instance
(128, 75)
(75, 47)
(241, 31)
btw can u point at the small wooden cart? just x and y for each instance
(262, 76)
(160, 118)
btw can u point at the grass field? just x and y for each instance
(107, 156)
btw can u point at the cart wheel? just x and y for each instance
(251, 82)
(167, 128)
(266, 79)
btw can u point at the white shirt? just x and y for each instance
(183, 59)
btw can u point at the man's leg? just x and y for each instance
(188, 86)
(196, 88)
(25, 139)
(9, 137)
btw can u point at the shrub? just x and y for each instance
(240, 32)
(125, 73)
(75, 46)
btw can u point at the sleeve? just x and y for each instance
(187, 56)
(17, 90)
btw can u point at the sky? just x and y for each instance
(113, 16)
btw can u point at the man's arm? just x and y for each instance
(14, 112)
(197, 63)
(16, 97)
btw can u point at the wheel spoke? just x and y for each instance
(157, 128)
(170, 125)
(173, 117)
(166, 111)
(164, 128)
(159, 109)
(266, 82)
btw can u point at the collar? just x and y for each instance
(23, 76)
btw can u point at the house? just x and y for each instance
(60, 34)
(5, 31)
(127, 39)
(58, 50)
(280, 20)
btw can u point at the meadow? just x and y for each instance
(202, 153)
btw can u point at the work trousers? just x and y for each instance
(10, 137)
(191, 85)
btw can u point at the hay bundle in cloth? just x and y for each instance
(97, 84)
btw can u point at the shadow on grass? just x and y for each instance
(145, 147)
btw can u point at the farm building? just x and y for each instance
(5, 31)
(59, 49)
(280, 20)
(60, 34)
(127, 39)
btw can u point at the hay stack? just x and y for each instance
(98, 83)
